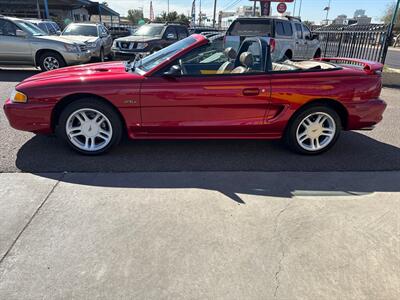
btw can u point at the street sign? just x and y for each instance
(282, 7)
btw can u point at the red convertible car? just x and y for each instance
(194, 89)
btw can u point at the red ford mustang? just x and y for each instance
(194, 89)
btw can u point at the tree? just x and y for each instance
(173, 17)
(387, 17)
(134, 15)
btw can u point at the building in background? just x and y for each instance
(225, 18)
(359, 18)
(61, 11)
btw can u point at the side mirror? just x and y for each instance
(174, 71)
(314, 36)
(21, 33)
(171, 36)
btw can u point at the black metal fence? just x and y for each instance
(356, 41)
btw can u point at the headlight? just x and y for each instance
(18, 97)
(141, 45)
(71, 48)
(91, 44)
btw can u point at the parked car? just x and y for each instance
(147, 39)
(119, 31)
(201, 29)
(293, 39)
(192, 90)
(50, 27)
(96, 37)
(22, 43)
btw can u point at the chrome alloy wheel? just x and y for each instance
(316, 131)
(89, 129)
(51, 63)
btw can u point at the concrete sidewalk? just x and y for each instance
(204, 235)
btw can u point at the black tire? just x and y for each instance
(290, 136)
(288, 55)
(94, 104)
(317, 54)
(101, 55)
(50, 55)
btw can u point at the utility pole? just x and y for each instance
(390, 31)
(200, 16)
(168, 7)
(215, 12)
(301, 3)
(294, 8)
(327, 11)
(38, 9)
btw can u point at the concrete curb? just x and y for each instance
(391, 79)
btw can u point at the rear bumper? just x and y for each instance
(29, 117)
(365, 115)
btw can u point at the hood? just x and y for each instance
(91, 72)
(138, 38)
(60, 39)
(80, 38)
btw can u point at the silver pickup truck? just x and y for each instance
(22, 43)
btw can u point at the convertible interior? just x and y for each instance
(211, 60)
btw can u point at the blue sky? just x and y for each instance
(311, 9)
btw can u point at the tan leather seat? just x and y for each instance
(246, 60)
(228, 66)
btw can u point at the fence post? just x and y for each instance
(326, 44)
(340, 43)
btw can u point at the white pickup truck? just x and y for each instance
(293, 39)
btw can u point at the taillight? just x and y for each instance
(272, 45)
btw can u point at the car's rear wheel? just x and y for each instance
(313, 130)
(51, 61)
(90, 126)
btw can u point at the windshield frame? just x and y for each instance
(83, 25)
(29, 28)
(197, 41)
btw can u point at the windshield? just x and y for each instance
(251, 28)
(86, 30)
(30, 28)
(149, 30)
(164, 54)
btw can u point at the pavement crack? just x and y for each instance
(31, 218)
(282, 246)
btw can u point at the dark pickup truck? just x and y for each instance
(147, 39)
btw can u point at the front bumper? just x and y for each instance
(365, 115)
(76, 58)
(29, 117)
(130, 54)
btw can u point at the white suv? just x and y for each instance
(293, 39)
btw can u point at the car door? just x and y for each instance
(106, 38)
(300, 43)
(14, 49)
(170, 35)
(203, 102)
(310, 43)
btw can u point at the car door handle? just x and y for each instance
(251, 92)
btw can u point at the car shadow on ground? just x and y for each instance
(14, 75)
(353, 152)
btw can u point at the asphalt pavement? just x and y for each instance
(355, 151)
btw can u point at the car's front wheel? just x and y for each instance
(51, 61)
(90, 126)
(314, 130)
